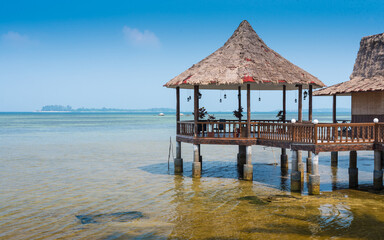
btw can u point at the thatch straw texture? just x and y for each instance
(368, 72)
(244, 59)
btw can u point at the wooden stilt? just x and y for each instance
(309, 158)
(353, 170)
(196, 167)
(248, 167)
(378, 171)
(334, 155)
(295, 174)
(283, 156)
(314, 178)
(178, 161)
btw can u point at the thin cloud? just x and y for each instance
(15, 38)
(135, 37)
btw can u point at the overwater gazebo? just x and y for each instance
(245, 62)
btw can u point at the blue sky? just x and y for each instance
(119, 53)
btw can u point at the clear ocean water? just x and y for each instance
(106, 176)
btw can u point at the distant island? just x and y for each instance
(60, 108)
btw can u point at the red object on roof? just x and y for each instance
(248, 79)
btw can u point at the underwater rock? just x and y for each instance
(253, 200)
(110, 217)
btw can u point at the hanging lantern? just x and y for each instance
(305, 94)
(221, 100)
(225, 96)
(259, 99)
(200, 95)
(295, 100)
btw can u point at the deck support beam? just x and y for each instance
(309, 158)
(241, 156)
(283, 156)
(295, 173)
(378, 171)
(353, 170)
(314, 178)
(196, 165)
(248, 167)
(284, 160)
(178, 161)
(334, 155)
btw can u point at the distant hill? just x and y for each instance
(60, 108)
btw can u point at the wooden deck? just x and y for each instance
(322, 137)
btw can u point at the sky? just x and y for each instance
(118, 54)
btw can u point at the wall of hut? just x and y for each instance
(367, 105)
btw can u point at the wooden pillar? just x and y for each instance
(314, 178)
(239, 100)
(295, 174)
(353, 170)
(196, 165)
(309, 158)
(283, 156)
(377, 172)
(300, 119)
(177, 110)
(178, 161)
(300, 105)
(241, 156)
(196, 107)
(248, 110)
(248, 167)
(334, 155)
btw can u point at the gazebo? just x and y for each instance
(366, 88)
(245, 62)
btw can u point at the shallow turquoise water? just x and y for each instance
(56, 166)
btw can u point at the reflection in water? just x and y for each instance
(334, 177)
(337, 216)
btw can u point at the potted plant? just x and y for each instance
(238, 113)
(202, 113)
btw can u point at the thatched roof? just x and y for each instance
(368, 72)
(244, 59)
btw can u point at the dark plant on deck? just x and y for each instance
(202, 113)
(238, 114)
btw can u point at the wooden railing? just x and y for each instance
(323, 133)
(186, 128)
(345, 133)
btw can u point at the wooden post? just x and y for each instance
(248, 167)
(353, 170)
(334, 155)
(284, 103)
(241, 156)
(283, 156)
(196, 107)
(377, 172)
(295, 174)
(177, 110)
(196, 165)
(300, 119)
(314, 178)
(334, 109)
(248, 110)
(309, 158)
(300, 105)
(178, 161)
(239, 100)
